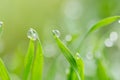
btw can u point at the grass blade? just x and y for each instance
(29, 60)
(80, 65)
(98, 25)
(68, 55)
(3, 72)
(101, 71)
(37, 68)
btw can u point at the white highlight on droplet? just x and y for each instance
(68, 38)
(32, 34)
(56, 33)
(113, 36)
(108, 43)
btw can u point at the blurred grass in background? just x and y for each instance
(72, 17)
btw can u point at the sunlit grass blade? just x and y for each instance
(29, 60)
(71, 75)
(98, 25)
(80, 65)
(101, 71)
(37, 68)
(68, 55)
(3, 72)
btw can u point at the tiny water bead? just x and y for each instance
(56, 33)
(77, 55)
(108, 43)
(113, 36)
(1, 23)
(68, 38)
(32, 34)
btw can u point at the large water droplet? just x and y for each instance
(108, 43)
(68, 38)
(1, 23)
(56, 33)
(113, 36)
(32, 34)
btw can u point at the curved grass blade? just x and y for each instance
(68, 55)
(3, 72)
(98, 25)
(37, 68)
(29, 60)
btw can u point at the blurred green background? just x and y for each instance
(72, 17)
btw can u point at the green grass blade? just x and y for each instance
(98, 25)
(80, 65)
(103, 23)
(71, 75)
(3, 72)
(37, 68)
(68, 55)
(29, 60)
(101, 71)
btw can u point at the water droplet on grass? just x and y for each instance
(1, 23)
(77, 55)
(32, 34)
(56, 33)
(68, 38)
(108, 43)
(113, 36)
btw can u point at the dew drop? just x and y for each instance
(113, 36)
(77, 55)
(32, 34)
(1, 23)
(56, 33)
(108, 43)
(68, 38)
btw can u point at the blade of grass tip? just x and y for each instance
(30, 54)
(29, 60)
(37, 68)
(3, 72)
(98, 25)
(66, 52)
